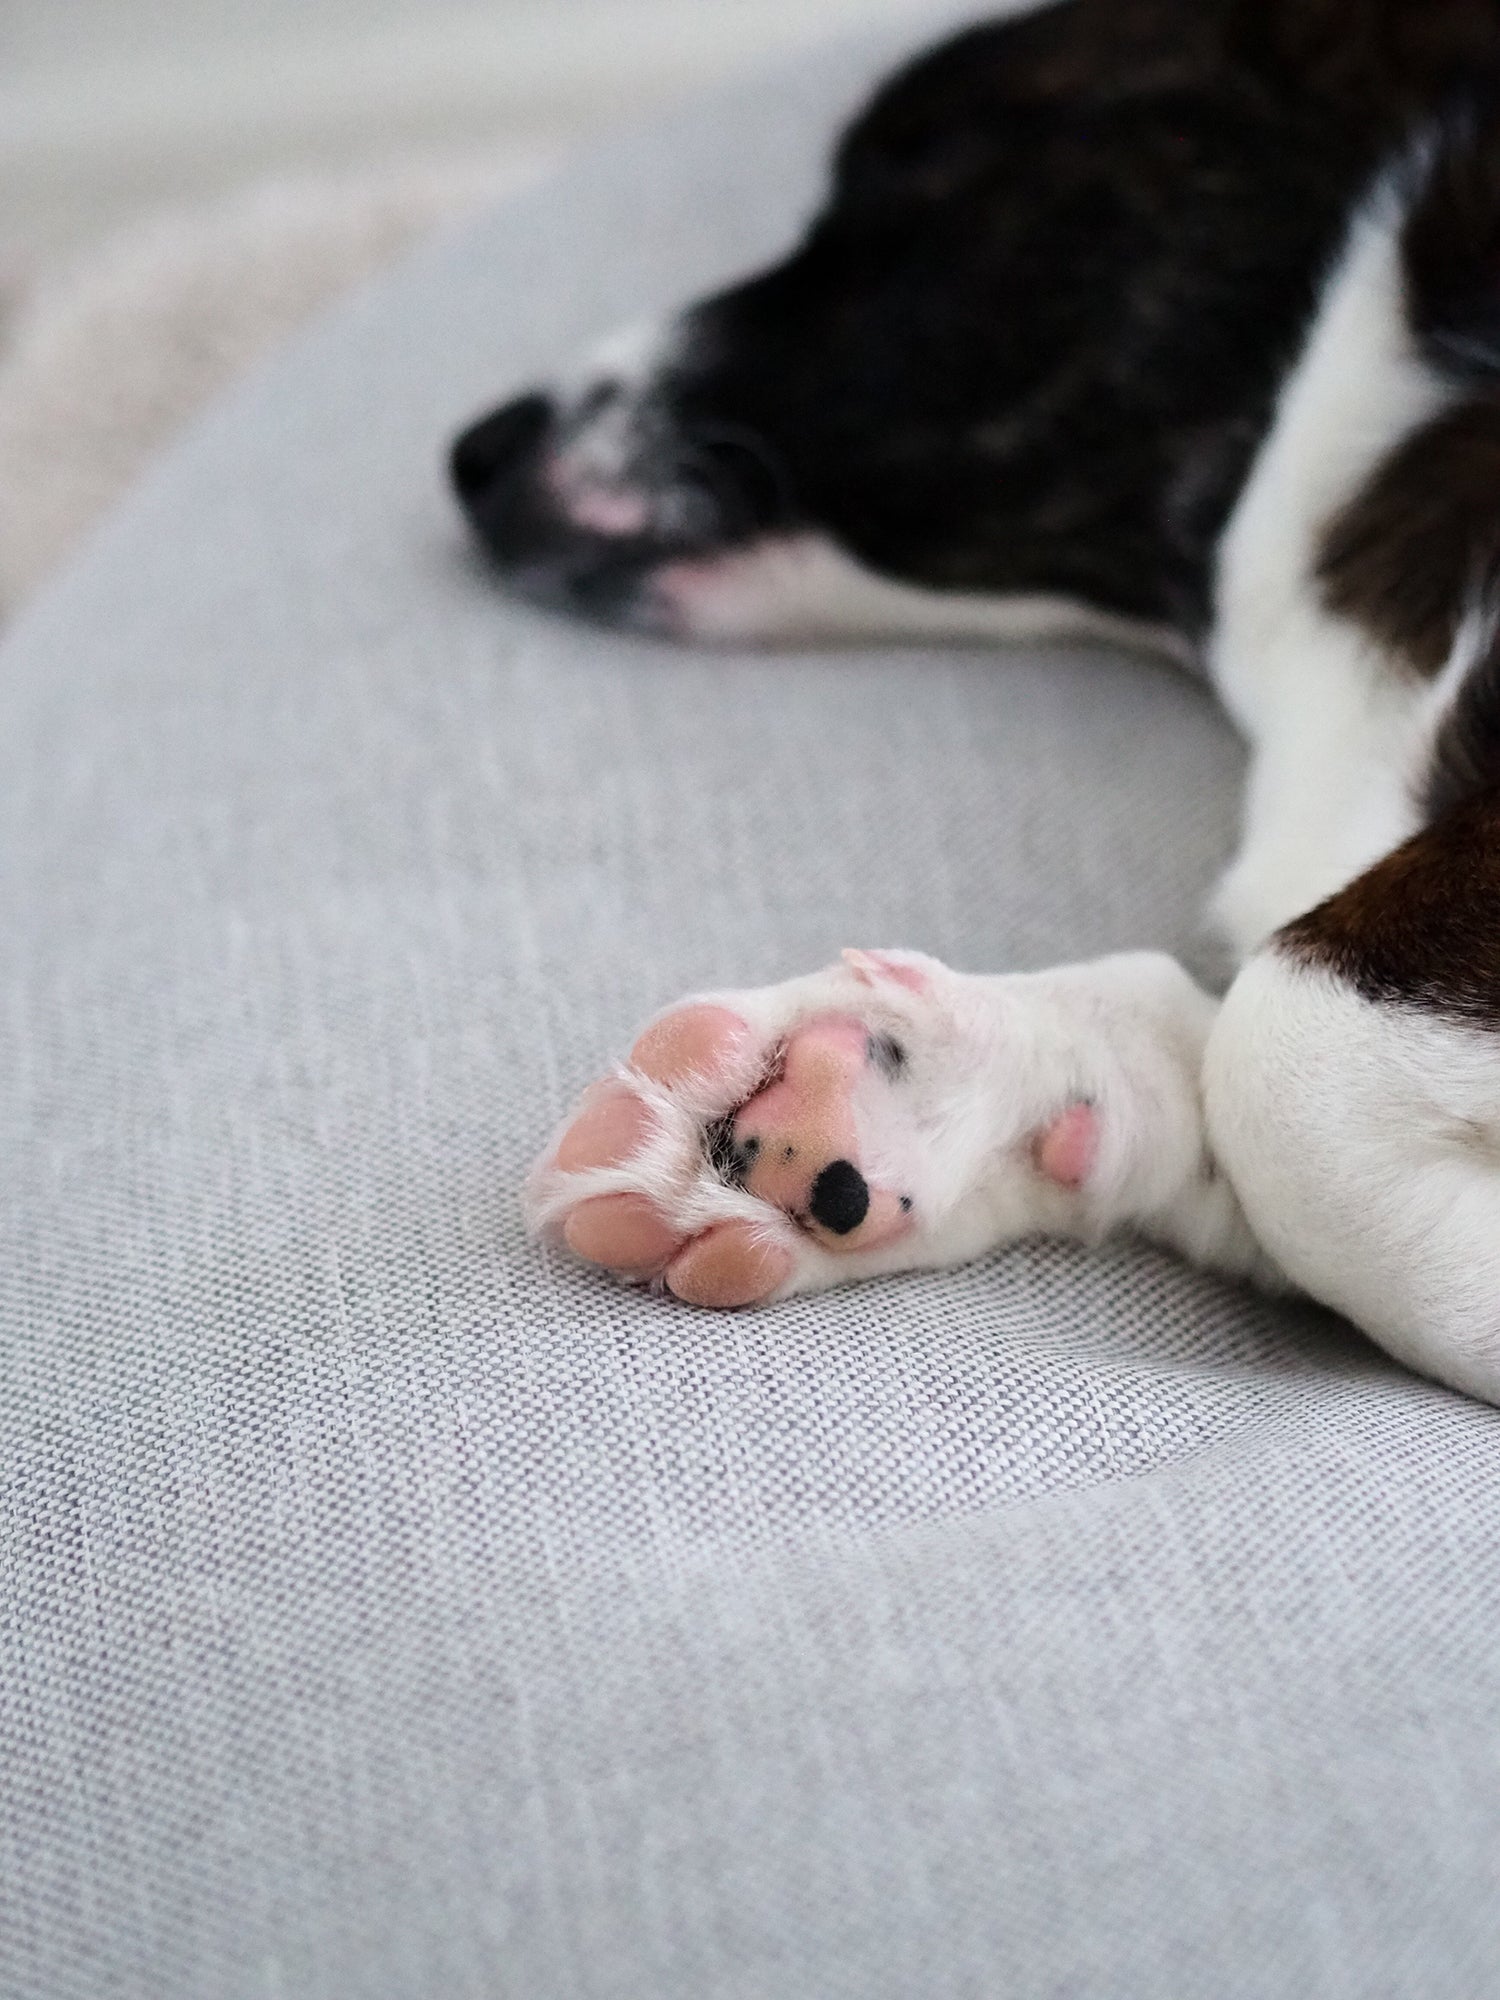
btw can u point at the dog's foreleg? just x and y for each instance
(889, 1114)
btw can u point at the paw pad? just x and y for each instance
(613, 1126)
(732, 1264)
(623, 1232)
(693, 1041)
(797, 1143)
(728, 1159)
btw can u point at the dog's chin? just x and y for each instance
(628, 583)
(618, 597)
(777, 589)
(709, 598)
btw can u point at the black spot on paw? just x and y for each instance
(886, 1053)
(730, 1158)
(840, 1198)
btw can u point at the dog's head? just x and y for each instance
(998, 365)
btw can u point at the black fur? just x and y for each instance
(1418, 549)
(1419, 929)
(1034, 339)
(1466, 756)
(840, 1198)
(1415, 556)
(1451, 242)
(1034, 342)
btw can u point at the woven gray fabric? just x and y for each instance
(388, 1611)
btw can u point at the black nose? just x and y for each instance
(498, 447)
(840, 1198)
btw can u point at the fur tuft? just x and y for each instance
(1466, 755)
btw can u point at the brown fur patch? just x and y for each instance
(1422, 928)
(1416, 549)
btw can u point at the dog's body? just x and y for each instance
(1180, 320)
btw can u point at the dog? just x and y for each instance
(1175, 321)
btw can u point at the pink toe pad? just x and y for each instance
(728, 1266)
(612, 1127)
(623, 1232)
(693, 1041)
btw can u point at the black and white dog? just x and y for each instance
(1177, 320)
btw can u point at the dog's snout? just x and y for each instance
(583, 501)
(840, 1198)
(499, 446)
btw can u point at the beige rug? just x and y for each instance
(105, 359)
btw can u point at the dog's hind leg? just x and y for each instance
(1366, 539)
(1334, 714)
(1353, 1094)
(1352, 1081)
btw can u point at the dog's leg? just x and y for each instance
(1336, 719)
(889, 1114)
(1353, 1092)
(1353, 1079)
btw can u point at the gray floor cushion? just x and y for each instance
(388, 1609)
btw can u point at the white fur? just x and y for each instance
(1364, 1142)
(630, 355)
(589, 472)
(804, 588)
(1336, 727)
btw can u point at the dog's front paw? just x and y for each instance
(784, 1139)
(890, 1115)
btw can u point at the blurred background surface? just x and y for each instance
(186, 182)
(112, 108)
